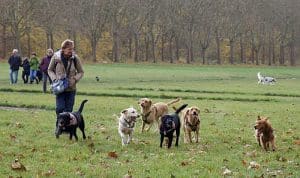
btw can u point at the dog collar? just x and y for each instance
(145, 117)
(193, 127)
(129, 124)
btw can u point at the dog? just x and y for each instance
(169, 124)
(264, 133)
(190, 118)
(265, 80)
(152, 112)
(126, 124)
(69, 121)
(97, 78)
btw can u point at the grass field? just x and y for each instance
(229, 98)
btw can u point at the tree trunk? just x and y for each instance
(116, 47)
(162, 48)
(252, 53)
(192, 51)
(217, 38)
(270, 50)
(3, 55)
(242, 53)
(47, 40)
(130, 47)
(256, 54)
(177, 48)
(153, 47)
(292, 49)
(171, 49)
(74, 39)
(281, 51)
(188, 54)
(203, 55)
(147, 47)
(94, 47)
(231, 43)
(136, 47)
(263, 58)
(28, 43)
(273, 49)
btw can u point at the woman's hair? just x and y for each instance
(49, 51)
(67, 43)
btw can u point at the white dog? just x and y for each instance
(126, 124)
(265, 80)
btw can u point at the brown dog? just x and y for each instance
(264, 133)
(152, 112)
(190, 118)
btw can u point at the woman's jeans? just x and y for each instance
(65, 102)
(32, 75)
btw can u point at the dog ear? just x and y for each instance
(124, 111)
(188, 112)
(198, 110)
(258, 117)
(150, 102)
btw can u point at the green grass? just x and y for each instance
(229, 98)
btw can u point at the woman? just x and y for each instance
(65, 64)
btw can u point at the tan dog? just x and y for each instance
(190, 119)
(152, 112)
(264, 133)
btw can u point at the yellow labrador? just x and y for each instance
(190, 119)
(152, 112)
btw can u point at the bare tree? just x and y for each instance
(19, 12)
(93, 17)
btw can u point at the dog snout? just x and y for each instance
(195, 113)
(255, 127)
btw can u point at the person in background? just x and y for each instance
(34, 65)
(26, 70)
(66, 64)
(44, 68)
(14, 64)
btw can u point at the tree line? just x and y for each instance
(191, 31)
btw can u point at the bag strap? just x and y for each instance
(68, 70)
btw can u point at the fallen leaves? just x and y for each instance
(112, 154)
(16, 165)
(184, 163)
(297, 142)
(227, 172)
(253, 165)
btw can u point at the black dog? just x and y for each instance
(169, 124)
(69, 121)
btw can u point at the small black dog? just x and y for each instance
(169, 124)
(69, 121)
(97, 78)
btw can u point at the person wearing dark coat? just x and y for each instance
(44, 68)
(14, 64)
(26, 70)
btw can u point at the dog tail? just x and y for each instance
(81, 106)
(173, 101)
(181, 108)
